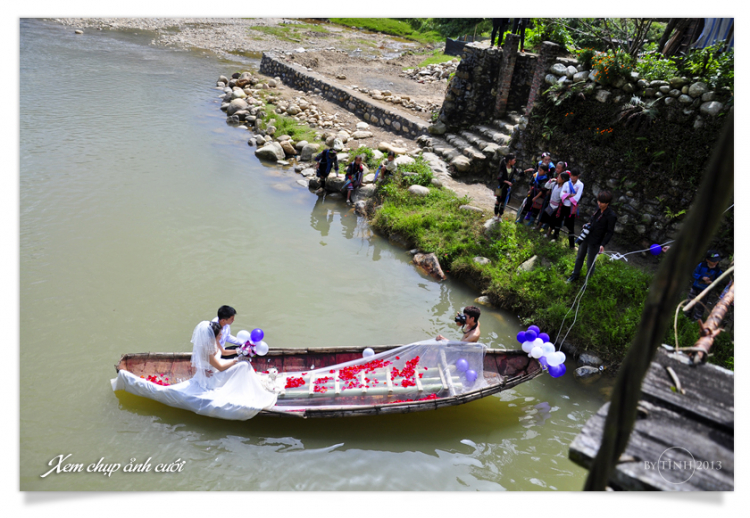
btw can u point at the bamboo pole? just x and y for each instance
(711, 329)
(716, 190)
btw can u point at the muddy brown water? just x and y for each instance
(141, 212)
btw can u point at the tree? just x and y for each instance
(628, 34)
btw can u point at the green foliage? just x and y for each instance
(584, 57)
(549, 29)
(422, 169)
(653, 65)
(457, 27)
(713, 65)
(611, 65)
(392, 26)
(610, 309)
(436, 57)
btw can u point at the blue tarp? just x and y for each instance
(715, 30)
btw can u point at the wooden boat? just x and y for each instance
(503, 369)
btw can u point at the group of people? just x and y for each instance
(552, 201)
(327, 161)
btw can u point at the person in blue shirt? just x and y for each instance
(327, 161)
(705, 273)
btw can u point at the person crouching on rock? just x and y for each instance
(387, 168)
(353, 181)
(327, 160)
(468, 321)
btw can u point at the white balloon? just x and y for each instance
(243, 336)
(561, 355)
(261, 349)
(538, 342)
(548, 347)
(536, 352)
(368, 352)
(527, 346)
(553, 360)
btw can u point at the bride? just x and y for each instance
(228, 389)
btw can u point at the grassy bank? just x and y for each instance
(390, 26)
(609, 311)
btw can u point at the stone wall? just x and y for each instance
(648, 142)
(300, 78)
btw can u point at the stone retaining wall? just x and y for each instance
(295, 76)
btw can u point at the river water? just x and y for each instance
(141, 212)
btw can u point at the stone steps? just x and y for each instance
(465, 147)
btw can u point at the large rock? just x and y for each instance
(470, 208)
(587, 373)
(418, 190)
(559, 69)
(343, 136)
(528, 265)
(711, 108)
(335, 182)
(580, 76)
(360, 134)
(461, 163)
(438, 128)
(271, 151)
(435, 163)
(697, 89)
(602, 95)
(293, 109)
(385, 147)
(308, 151)
(550, 79)
(404, 159)
(288, 148)
(338, 145)
(236, 105)
(482, 261)
(308, 172)
(589, 359)
(366, 191)
(430, 264)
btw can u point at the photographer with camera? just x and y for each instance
(595, 235)
(468, 319)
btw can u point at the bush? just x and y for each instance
(421, 168)
(611, 65)
(652, 66)
(584, 57)
(714, 66)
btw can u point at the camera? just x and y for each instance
(460, 319)
(584, 233)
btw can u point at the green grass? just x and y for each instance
(288, 126)
(436, 57)
(610, 309)
(282, 32)
(390, 26)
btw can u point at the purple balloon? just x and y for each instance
(521, 337)
(655, 249)
(543, 361)
(535, 329)
(256, 335)
(531, 335)
(462, 365)
(544, 337)
(471, 376)
(557, 370)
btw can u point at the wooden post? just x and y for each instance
(711, 329)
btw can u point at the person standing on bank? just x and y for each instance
(571, 196)
(353, 173)
(327, 160)
(505, 179)
(468, 321)
(499, 25)
(225, 318)
(595, 235)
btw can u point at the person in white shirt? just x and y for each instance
(225, 319)
(571, 196)
(549, 214)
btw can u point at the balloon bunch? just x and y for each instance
(463, 366)
(253, 343)
(538, 346)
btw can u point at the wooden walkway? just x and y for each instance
(681, 442)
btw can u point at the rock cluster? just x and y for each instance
(692, 95)
(434, 72)
(403, 100)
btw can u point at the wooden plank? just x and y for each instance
(709, 393)
(671, 444)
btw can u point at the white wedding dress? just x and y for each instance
(236, 393)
